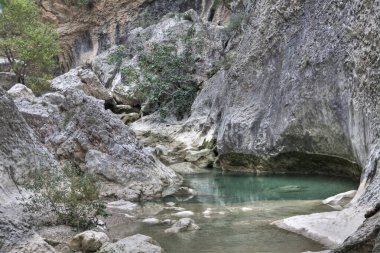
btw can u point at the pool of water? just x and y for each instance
(235, 213)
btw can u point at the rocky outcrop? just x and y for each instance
(20, 154)
(76, 127)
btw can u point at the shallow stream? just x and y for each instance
(235, 213)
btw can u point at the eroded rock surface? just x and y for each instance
(20, 154)
(76, 127)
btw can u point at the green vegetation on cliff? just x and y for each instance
(72, 196)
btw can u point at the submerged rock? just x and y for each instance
(183, 225)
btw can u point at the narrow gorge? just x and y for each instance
(197, 126)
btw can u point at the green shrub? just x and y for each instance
(72, 195)
(117, 56)
(166, 82)
(39, 85)
(129, 74)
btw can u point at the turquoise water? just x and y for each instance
(228, 189)
(235, 213)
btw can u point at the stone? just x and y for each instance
(88, 241)
(123, 109)
(20, 91)
(183, 225)
(69, 80)
(129, 117)
(340, 200)
(93, 87)
(133, 244)
(183, 214)
(151, 221)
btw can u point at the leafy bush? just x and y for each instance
(166, 81)
(72, 195)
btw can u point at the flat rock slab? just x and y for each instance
(330, 228)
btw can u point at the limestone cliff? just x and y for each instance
(86, 31)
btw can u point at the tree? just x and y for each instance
(29, 44)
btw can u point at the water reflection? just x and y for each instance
(228, 189)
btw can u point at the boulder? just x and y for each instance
(89, 241)
(129, 117)
(69, 80)
(93, 87)
(20, 91)
(133, 244)
(183, 225)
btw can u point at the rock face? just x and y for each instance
(137, 243)
(20, 153)
(89, 30)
